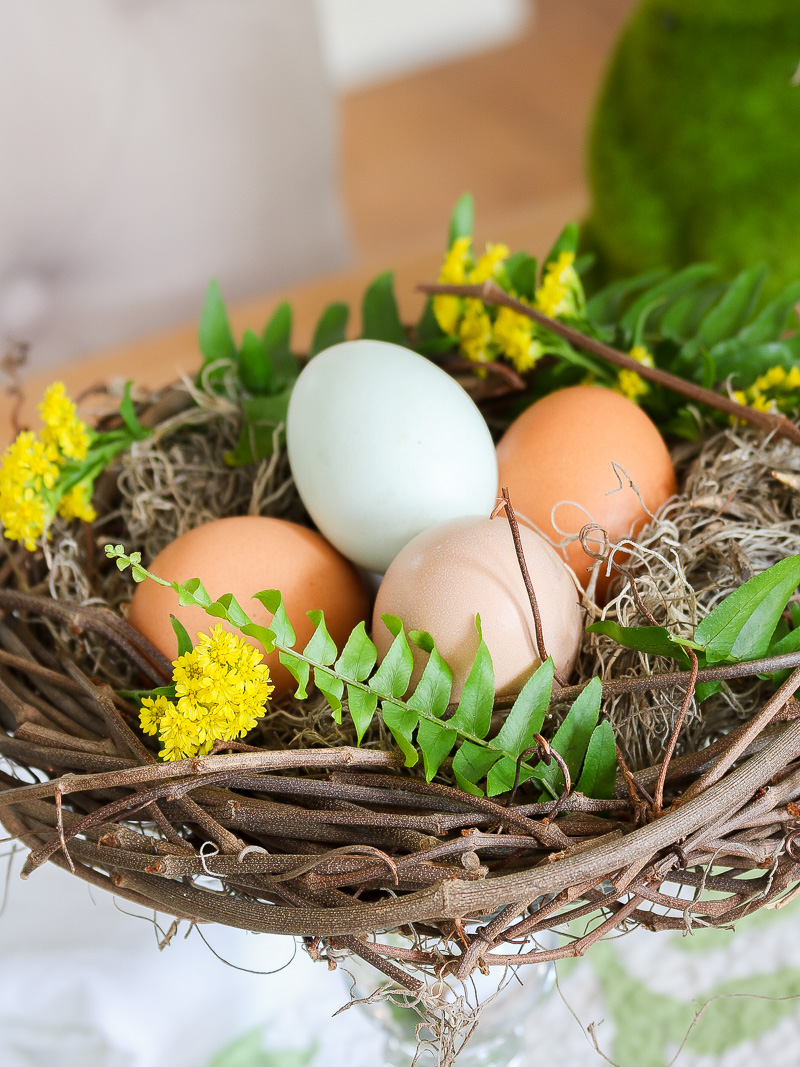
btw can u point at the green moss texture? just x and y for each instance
(694, 151)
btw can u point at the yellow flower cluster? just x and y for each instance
(485, 334)
(459, 268)
(221, 688)
(514, 336)
(561, 292)
(631, 384)
(777, 388)
(30, 468)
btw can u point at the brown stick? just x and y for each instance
(526, 577)
(670, 679)
(491, 293)
(658, 797)
(754, 728)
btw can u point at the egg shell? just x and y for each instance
(466, 567)
(244, 555)
(382, 445)
(565, 448)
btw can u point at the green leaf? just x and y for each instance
(401, 722)
(379, 315)
(299, 670)
(683, 319)
(331, 328)
(255, 369)
(747, 362)
(462, 220)
(184, 641)
(136, 695)
(652, 640)
(214, 332)
(192, 593)
(471, 764)
(332, 688)
(567, 241)
(362, 708)
(358, 655)
(501, 777)
(394, 673)
(265, 637)
(429, 332)
(474, 712)
(734, 309)
(772, 320)
(599, 773)
(280, 626)
(523, 277)
(276, 340)
(431, 697)
(322, 647)
(572, 737)
(436, 743)
(788, 642)
(257, 439)
(584, 263)
(227, 607)
(128, 415)
(742, 625)
(432, 694)
(527, 713)
(604, 307)
(703, 690)
(663, 293)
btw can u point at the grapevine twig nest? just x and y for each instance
(313, 836)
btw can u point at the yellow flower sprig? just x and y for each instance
(53, 472)
(221, 689)
(775, 390)
(32, 489)
(488, 333)
(631, 384)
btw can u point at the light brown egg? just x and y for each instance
(452, 572)
(244, 555)
(585, 445)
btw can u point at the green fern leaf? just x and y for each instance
(362, 707)
(358, 657)
(402, 722)
(280, 626)
(474, 712)
(600, 765)
(394, 673)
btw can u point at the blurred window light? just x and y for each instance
(367, 41)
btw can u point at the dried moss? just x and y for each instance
(733, 519)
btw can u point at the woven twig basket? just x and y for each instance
(340, 844)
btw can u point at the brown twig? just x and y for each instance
(506, 505)
(726, 760)
(658, 798)
(670, 679)
(491, 293)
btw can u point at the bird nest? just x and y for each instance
(302, 832)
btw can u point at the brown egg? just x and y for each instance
(242, 556)
(569, 446)
(452, 572)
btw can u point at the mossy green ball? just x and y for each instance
(694, 151)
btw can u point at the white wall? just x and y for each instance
(366, 41)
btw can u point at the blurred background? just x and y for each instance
(149, 145)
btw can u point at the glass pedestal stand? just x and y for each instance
(488, 1014)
